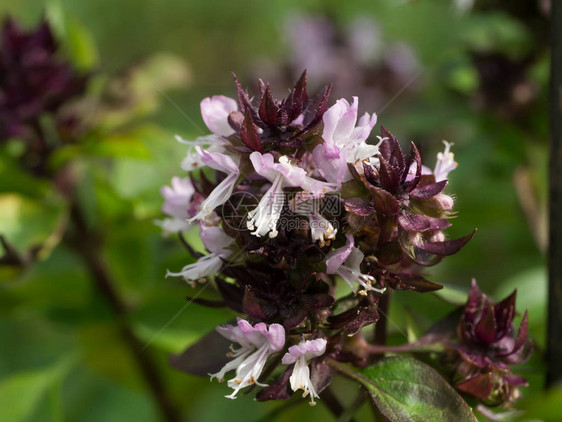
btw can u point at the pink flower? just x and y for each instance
(177, 199)
(341, 133)
(217, 242)
(215, 111)
(445, 163)
(344, 142)
(226, 164)
(300, 354)
(263, 219)
(321, 229)
(346, 262)
(257, 343)
(192, 160)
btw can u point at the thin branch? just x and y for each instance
(381, 324)
(187, 246)
(347, 415)
(554, 351)
(332, 403)
(88, 245)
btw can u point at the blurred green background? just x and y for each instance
(61, 356)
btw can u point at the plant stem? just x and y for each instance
(381, 324)
(330, 400)
(402, 348)
(554, 336)
(348, 372)
(347, 415)
(89, 246)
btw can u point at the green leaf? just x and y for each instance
(27, 222)
(77, 40)
(532, 286)
(453, 294)
(543, 406)
(404, 389)
(23, 391)
(129, 145)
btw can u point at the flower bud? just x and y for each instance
(439, 205)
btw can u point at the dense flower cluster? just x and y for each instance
(32, 78)
(488, 346)
(35, 83)
(300, 200)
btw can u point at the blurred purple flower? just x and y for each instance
(350, 55)
(177, 200)
(33, 80)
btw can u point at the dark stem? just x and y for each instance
(41, 148)
(554, 336)
(348, 372)
(187, 246)
(333, 404)
(88, 245)
(402, 348)
(347, 416)
(381, 325)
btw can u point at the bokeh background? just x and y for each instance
(472, 73)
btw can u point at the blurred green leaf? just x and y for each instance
(453, 294)
(497, 30)
(531, 288)
(105, 352)
(170, 339)
(28, 222)
(19, 180)
(544, 407)
(21, 392)
(98, 145)
(76, 39)
(463, 78)
(161, 71)
(94, 398)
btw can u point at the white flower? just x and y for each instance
(226, 164)
(192, 160)
(341, 133)
(300, 354)
(346, 262)
(263, 219)
(345, 142)
(215, 111)
(217, 242)
(257, 343)
(177, 199)
(445, 163)
(321, 229)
